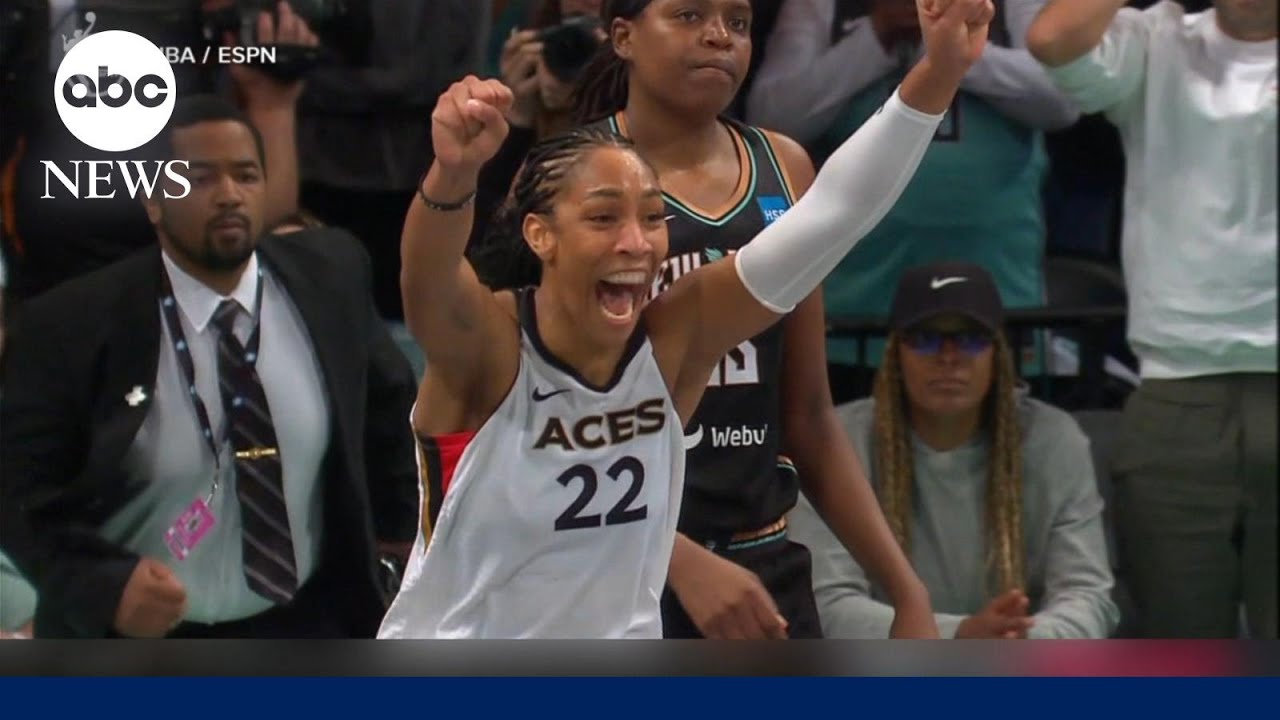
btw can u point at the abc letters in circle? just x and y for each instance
(114, 91)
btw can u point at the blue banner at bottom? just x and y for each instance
(652, 698)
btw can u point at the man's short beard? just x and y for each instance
(212, 259)
(206, 255)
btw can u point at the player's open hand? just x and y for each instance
(725, 600)
(469, 124)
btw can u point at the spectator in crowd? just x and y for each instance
(991, 492)
(271, 106)
(361, 119)
(505, 19)
(665, 80)
(510, 15)
(543, 77)
(536, 113)
(1085, 187)
(543, 98)
(1194, 98)
(51, 240)
(978, 193)
(204, 439)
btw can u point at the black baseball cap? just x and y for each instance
(947, 288)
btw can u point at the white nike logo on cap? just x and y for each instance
(936, 284)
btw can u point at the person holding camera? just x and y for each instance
(540, 64)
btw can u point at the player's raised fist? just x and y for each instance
(469, 125)
(955, 31)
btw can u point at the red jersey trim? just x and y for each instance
(438, 458)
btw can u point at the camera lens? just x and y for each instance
(569, 46)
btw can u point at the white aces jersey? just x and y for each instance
(558, 516)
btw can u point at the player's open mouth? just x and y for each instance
(621, 295)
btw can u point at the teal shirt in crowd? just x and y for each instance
(975, 198)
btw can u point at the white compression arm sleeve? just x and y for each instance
(854, 191)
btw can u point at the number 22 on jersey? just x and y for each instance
(626, 469)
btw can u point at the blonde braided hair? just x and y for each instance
(895, 467)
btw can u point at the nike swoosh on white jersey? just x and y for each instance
(936, 283)
(694, 439)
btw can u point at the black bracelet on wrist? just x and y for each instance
(439, 206)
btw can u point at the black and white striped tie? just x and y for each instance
(269, 564)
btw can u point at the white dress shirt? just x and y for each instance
(171, 465)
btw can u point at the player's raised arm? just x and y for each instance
(454, 318)
(734, 300)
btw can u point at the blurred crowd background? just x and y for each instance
(1020, 181)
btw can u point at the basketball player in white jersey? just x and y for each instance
(550, 419)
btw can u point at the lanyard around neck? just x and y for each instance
(181, 348)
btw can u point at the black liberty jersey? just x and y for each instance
(734, 481)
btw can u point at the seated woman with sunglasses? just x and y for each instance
(991, 493)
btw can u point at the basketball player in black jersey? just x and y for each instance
(670, 71)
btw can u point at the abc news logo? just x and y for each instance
(114, 91)
(93, 93)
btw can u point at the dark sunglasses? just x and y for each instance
(929, 342)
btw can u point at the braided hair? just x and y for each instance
(894, 464)
(602, 89)
(502, 259)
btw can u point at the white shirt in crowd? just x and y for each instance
(1196, 111)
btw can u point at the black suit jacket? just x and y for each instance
(76, 351)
